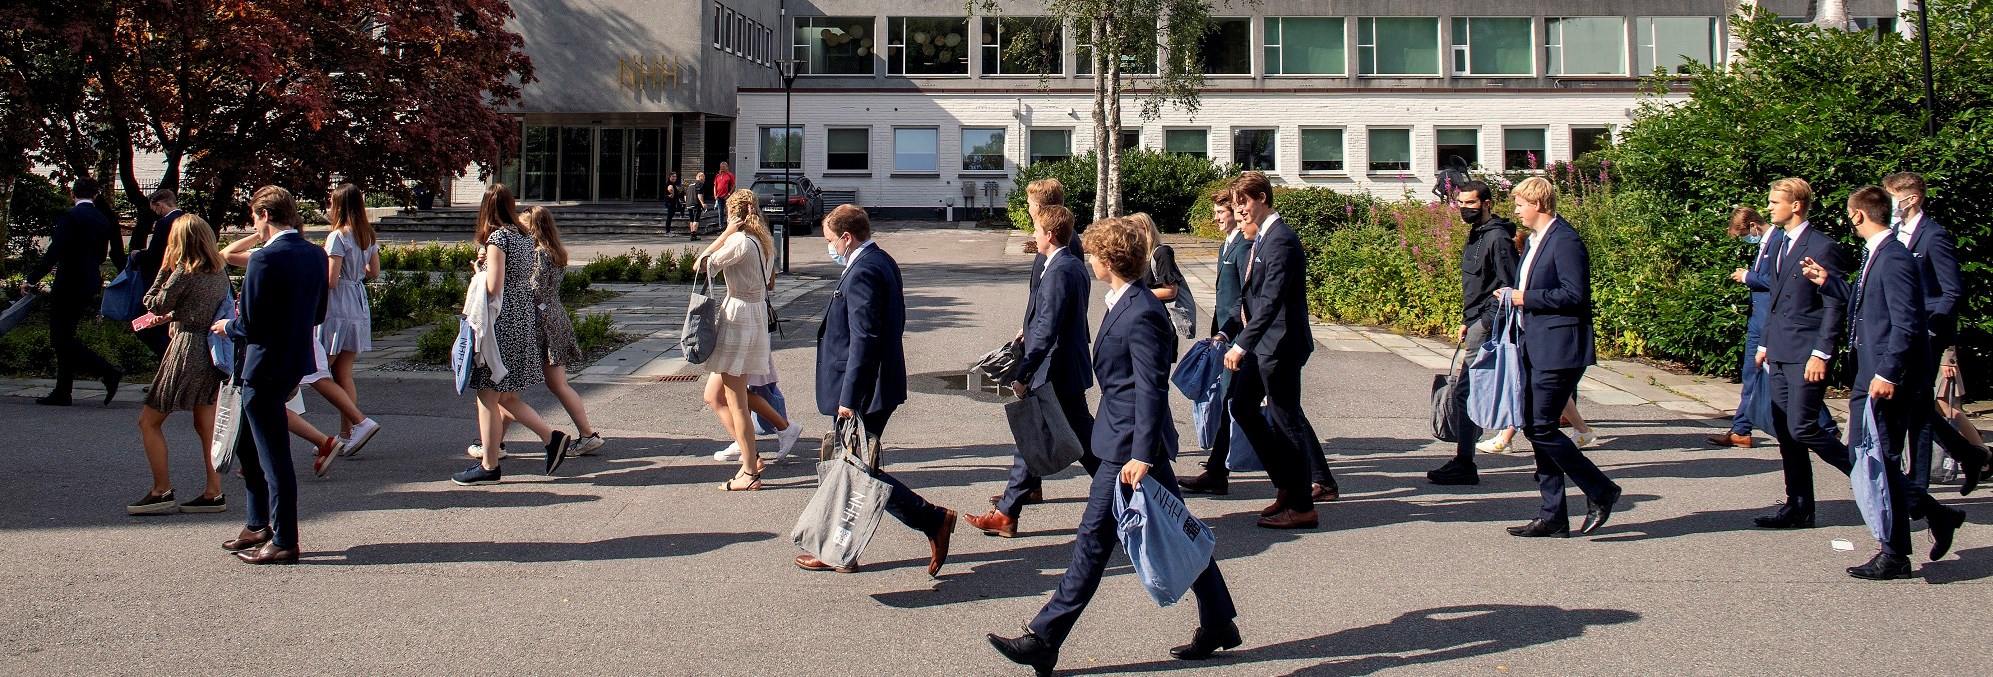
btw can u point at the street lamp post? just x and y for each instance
(789, 159)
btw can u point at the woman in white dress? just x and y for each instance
(744, 255)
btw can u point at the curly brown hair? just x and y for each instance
(1122, 244)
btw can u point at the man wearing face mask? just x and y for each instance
(1747, 223)
(1487, 264)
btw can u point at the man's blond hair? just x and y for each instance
(1045, 192)
(1797, 190)
(1538, 191)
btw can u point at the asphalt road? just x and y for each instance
(634, 562)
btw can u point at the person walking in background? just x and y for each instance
(1748, 223)
(354, 257)
(1487, 263)
(695, 204)
(1272, 347)
(1038, 196)
(505, 263)
(744, 253)
(1553, 294)
(1934, 251)
(723, 184)
(1802, 331)
(1232, 253)
(191, 287)
(148, 240)
(283, 298)
(556, 332)
(1582, 433)
(862, 366)
(1135, 438)
(1162, 278)
(83, 237)
(674, 199)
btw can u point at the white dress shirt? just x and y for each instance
(855, 253)
(1908, 230)
(1115, 292)
(1048, 261)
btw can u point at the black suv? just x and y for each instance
(805, 208)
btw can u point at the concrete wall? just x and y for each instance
(576, 45)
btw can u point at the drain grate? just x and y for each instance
(678, 378)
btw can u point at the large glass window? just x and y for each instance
(1524, 148)
(982, 149)
(1879, 26)
(1305, 46)
(1585, 45)
(1131, 138)
(781, 147)
(1253, 149)
(1671, 42)
(1587, 139)
(1136, 59)
(1397, 46)
(1390, 150)
(577, 153)
(927, 45)
(1051, 144)
(1321, 150)
(542, 151)
(848, 149)
(915, 149)
(612, 166)
(834, 45)
(1493, 46)
(1228, 48)
(1023, 46)
(648, 146)
(1457, 146)
(1187, 142)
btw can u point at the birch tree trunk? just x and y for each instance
(1112, 194)
(1833, 14)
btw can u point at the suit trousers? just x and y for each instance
(1756, 385)
(905, 505)
(1929, 430)
(1557, 457)
(1466, 434)
(71, 356)
(263, 447)
(1892, 424)
(1221, 442)
(1098, 533)
(1795, 399)
(1285, 441)
(1073, 405)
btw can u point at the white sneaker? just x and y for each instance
(586, 446)
(1585, 438)
(361, 434)
(1493, 445)
(787, 437)
(731, 453)
(476, 450)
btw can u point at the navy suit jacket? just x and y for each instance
(1131, 361)
(1803, 320)
(83, 237)
(283, 297)
(151, 239)
(1038, 266)
(1055, 327)
(1231, 280)
(1935, 252)
(1759, 279)
(861, 354)
(1275, 298)
(1889, 333)
(1557, 303)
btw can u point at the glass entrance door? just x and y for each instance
(591, 164)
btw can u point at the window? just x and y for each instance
(1321, 150)
(1587, 139)
(1051, 144)
(1585, 45)
(1881, 26)
(782, 147)
(1493, 46)
(1524, 148)
(1023, 46)
(1136, 59)
(1670, 43)
(1305, 46)
(982, 150)
(1457, 146)
(915, 150)
(1187, 142)
(727, 30)
(848, 150)
(927, 45)
(719, 24)
(1228, 48)
(1131, 138)
(1253, 149)
(1397, 46)
(833, 45)
(1390, 150)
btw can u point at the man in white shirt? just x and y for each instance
(1802, 331)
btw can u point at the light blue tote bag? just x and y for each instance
(1494, 386)
(1239, 453)
(1870, 478)
(1169, 546)
(461, 352)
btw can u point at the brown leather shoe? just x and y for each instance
(268, 553)
(1288, 519)
(1326, 493)
(1731, 440)
(994, 523)
(808, 563)
(247, 540)
(937, 544)
(1279, 497)
(1207, 482)
(1032, 497)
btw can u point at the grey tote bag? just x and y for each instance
(702, 317)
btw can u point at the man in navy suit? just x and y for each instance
(1758, 278)
(1886, 307)
(1802, 330)
(1232, 256)
(1055, 356)
(862, 365)
(83, 236)
(283, 297)
(1272, 345)
(150, 238)
(1934, 250)
(1554, 295)
(1134, 438)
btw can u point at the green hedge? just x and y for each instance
(641, 266)
(1164, 185)
(433, 257)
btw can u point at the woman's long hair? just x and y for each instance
(347, 209)
(743, 206)
(498, 211)
(539, 223)
(190, 247)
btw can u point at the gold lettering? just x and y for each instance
(651, 73)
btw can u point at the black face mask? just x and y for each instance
(1472, 215)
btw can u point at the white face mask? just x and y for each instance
(835, 257)
(1895, 213)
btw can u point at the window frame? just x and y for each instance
(1342, 135)
(1273, 51)
(1473, 162)
(1573, 130)
(1030, 153)
(1461, 47)
(761, 147)
(1081, 67)
(1273, 148)
(1554, 66)
(1248, 22)
(983, 48)
(1002, 154)
(1647, 43)
(936, 154)
(811, 23)
(900, 56)
(719, 25)
(829, 131)
(1439, 47)
(1205, 131)
(1542, 154)
(1370, 151)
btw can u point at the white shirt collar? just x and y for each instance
(1234, 236)
(288, 231)
(1792, 234)
(1909, 228)
(80, 203)
(1267, 221)
(855, 253)
(1048, 260)
(1875, 241)
(1114, 294)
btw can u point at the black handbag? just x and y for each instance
(768, 300)
(1443, 413)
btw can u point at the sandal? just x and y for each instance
(754, 482)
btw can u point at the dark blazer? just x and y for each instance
(1131, 361)
(1487, 263)
(1888, 310)
(283, 297)
(1038, 266)
(1231, 280)
(1055, 329)
(861, 355)
(1557, 303)
(1935, 252)
(1759, 276)
(1803, 320)
(151, 239)
(83, 237)
(1275, 297)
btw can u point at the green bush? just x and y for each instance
(36, 203)
(26, 351)
(592, 330)
(574, 285)
(433, 347)
(456, 256)
(1163, 185)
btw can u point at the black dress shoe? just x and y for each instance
(1455, 473)
(1969, 476)
(1796, 513)
(1027, 650)
(269, 553)
(1944, 525)
(1597, 512)
(247, 540)
(1542, 529)
(1207, 482)
(1883, 567)
(1207, 641)
(53, 401)
(111, 385)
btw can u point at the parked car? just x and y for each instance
(804, 209)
